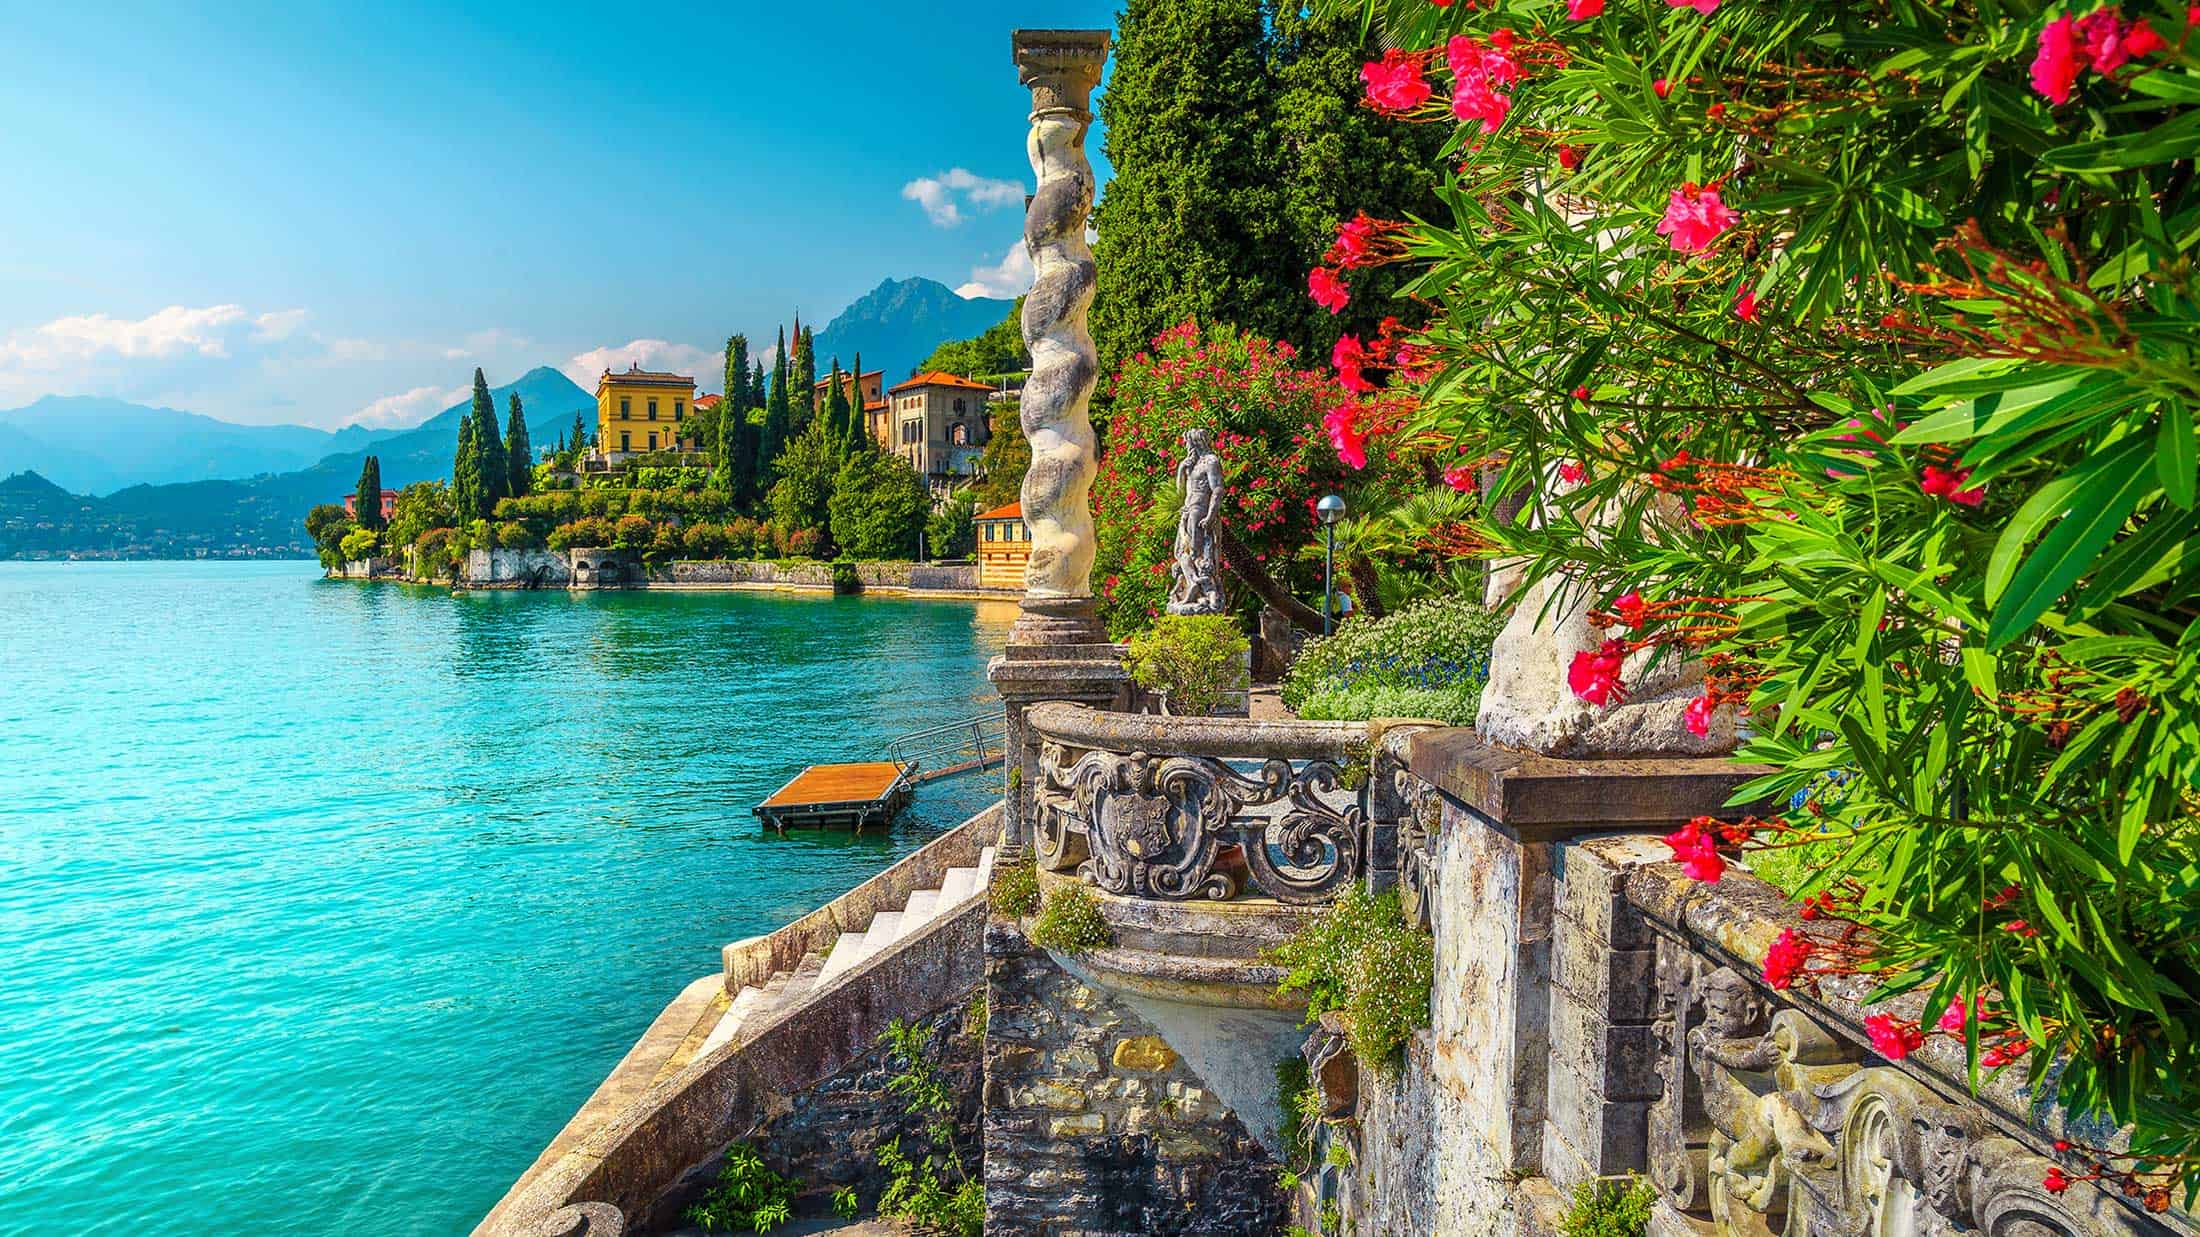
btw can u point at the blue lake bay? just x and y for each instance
(323, 905)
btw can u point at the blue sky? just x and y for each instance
(326, 213)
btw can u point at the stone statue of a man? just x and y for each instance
(1196, 576)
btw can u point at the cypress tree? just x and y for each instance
(836, 409)
(466, 473)
(736, 437)
(519, 450)
(578, 439)
(857, 422)
(367, 503)
(488, 448)
(803, 395)
(779, 411)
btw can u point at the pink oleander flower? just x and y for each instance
(1342, 424)
(1569, 158)
(2111, 43)
(1570, 472)
(1630, 609)
(1460, 477)
(1395, 83)
(1594, 674)
(2055, 67)
(1477, 69)
(1784, 961)
(1953, 1017)
(1661, 88)
(1697, 716)
(1355, 240)
(1706, 7)
(1948, 483)
(2055, 1182)
(1583, 10)
(1891, 1037)
(1694, 218)
(1696, 849)
(1351, 359)
(1745, 306)
(1327, 289)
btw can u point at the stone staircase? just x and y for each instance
(755, 1004)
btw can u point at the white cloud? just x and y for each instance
(176, 331)
(657, 354)
(1007, 278)
(947, 196)
(407, 408)
(281, 324)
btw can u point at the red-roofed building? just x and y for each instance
(1004, 547)
(938, 422)
(389, 504)
(704, 403)
(873, 384)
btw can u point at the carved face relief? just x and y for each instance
(1944, 1135)
(1731, 1008)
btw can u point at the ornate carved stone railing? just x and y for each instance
(1777, 1117)
(1180, 809)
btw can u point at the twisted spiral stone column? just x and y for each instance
(1060, 67)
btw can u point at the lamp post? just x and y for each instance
(1329, 510)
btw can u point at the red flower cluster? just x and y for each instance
(1327, 289)
(1696, 847)
(2101, 41)
(1948, 483)
(1361, 241)
(1477, 70)
(1396, 84)
(1594, 674)
(1583, 10)
(1893, 1038)
(1694, 217)
(1784, 961)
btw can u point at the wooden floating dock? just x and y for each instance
(853, 795)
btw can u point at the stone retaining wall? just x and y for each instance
(946, 577)
(518, 569)
(1094, 1125)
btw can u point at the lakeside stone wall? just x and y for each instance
(951, 577)
(1095, 1125)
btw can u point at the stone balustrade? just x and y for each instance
(1189, 809)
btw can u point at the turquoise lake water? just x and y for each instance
(323, 905)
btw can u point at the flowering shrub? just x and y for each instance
(1852, 349)
(1427, 660)
(1263, 414)
(1363, 958)
(1193, 660)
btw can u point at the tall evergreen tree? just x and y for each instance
(836, 408)
(466, 472)
(488, 449)
(778, 413)
(858, 424)
(803, 395)
(367, 503)
(1223, 221)
(578, 439)
(737, 438)
(519, 450)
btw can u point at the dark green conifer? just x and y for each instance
(367, 503)
(488, 449)
(778, 412)
(803, 394)
(520, 452)
(578, 439)
(466, 473)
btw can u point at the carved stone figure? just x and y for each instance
(1944, 1135)
(1196, 583)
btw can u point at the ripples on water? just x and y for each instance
(323, 905)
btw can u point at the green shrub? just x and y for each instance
(1296, 1133)
(361, 543)
(514, 535)
(1070, 922)
(1015, 890)
(704, 540)
(1429, 659)
(845, 579)
(1194, 660)
(747, 1195)
(1362, 958)
(1610, 1209)
(938, 1192)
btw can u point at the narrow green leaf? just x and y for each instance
(2070, 548)
(2174, 456)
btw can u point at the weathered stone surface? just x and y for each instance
(1618, 1059)
(1150, 1151)
(1146, 1053)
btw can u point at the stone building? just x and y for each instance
(939, 423)
(640, 410)
(389, 504)
(1004, 547)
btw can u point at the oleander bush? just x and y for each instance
(1429, 659)
(1855, 349)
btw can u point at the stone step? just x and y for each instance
(985, 867)
(847, 951)
(960, 884)
(804, 980)
(923, 905)
(885, 930)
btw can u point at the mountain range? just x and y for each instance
(180, 484)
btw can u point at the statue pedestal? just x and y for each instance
(1057, 651)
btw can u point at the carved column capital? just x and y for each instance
(1061, 67)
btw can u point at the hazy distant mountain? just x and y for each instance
(256, 515)
(93, 445)
(900, 322)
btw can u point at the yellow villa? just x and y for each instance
(641, 411)
(1004, 547)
